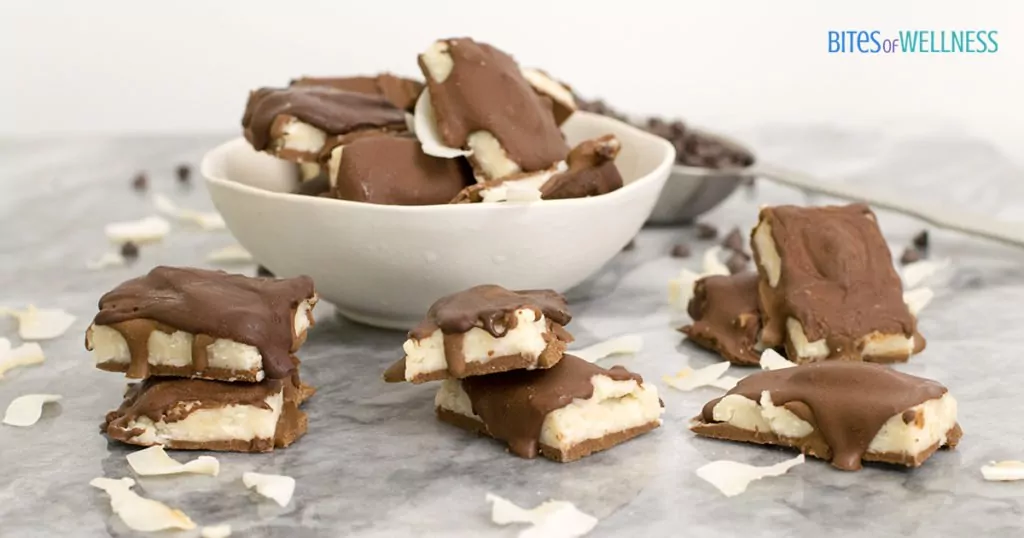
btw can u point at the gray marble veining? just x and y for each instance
(376, 463)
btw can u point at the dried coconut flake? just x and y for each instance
(205, 220)
(628, 344)
(138, 513)
(154, 461)
(733, 477)
(25, 410)
(771, 360)
(1003, 471)
(41, 323)
(553, 519)
(689, 379)
(232, 254)
(279, 488)
(425, 127)
(26, 354)
(216, 531)
(147, 230)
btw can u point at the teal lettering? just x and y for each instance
(908, 41)
(992, 38)
(971, 38)
(958, 41)
(926, 44)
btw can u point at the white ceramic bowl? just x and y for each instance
(385, 265)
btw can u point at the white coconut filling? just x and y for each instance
(767, 253)
(309, 171)
(934, 419)
(438, 62)
(489, 157)
(333, 164)
(175, 349)
(426, 355)
(527, 188)
(301, 137)
(615, 406)
(805, 350)
(546, 85)
(234, 422)
(875, 344)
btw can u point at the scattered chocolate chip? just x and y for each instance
(911, 255)
(706, 231)
(630, 246)
(921, 240)
(184, 172)
(129, 251)
(682, 250)
(734, 241)
(737, 263)
(140, 182)
(263, 271)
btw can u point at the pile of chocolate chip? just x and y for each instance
(693, 148)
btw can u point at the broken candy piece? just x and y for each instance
(483, 330)
(154, 461)
(25, 410)
(552, 519)
(482, 102)
(276, 487)
(828, 288)
(394, 171)
(399, 91)
(844, 412)
(733, 477)
(195, 414)
(726, 318)
(138, 513)
(186, 322)
(591, 172)
(295, 123)
(564, 413)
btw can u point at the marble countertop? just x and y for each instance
(375, 461)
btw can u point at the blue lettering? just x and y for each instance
(833, 42)
(908, 41)
(851, 39)
(862, 40)
(888, 45)
(992, 38)
(874, 40)
(971, 37)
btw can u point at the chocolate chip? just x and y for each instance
(630, 246)
(737, 263)
(911, 255)
(706, 231)
(184, 172)
(734, 241)
(921, 240)
(263, 271)
(682, 250)
(129, 251)
(140, 182)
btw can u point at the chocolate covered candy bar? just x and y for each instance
(725, 317)
(186, 322)
(840, 411)
(195, 414)
(399, 91)
(483, 330)
(828, 289)
(564, 413)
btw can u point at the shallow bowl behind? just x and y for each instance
(385, 265)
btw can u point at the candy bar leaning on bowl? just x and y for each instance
(565, 412)
(483, 330)
(844, 412)
(828, 289)
(189, 322)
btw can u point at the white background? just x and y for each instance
(138, 66)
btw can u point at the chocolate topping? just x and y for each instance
(591, 172)
(846, 402)
(837, 278)
(513, 405)
(706, 231)
(725, 316)
(335, 112)
(161, 398)
(399, 91)
(395, 171)
(209, 304)
(486, 91)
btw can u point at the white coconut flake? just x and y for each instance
(917, 299)
(138, 513)
(552, 519)
(41, 323)
(410, 123)
(680, 289)
(26, 354)
(425, 127)
(689, 379)
(277, 487)
(915, 273)
(147, 230)
(205, 220)
(627, 344)
(25, 410)
(154, 461)
(216, 531)
(733, 477)
(108, 259)
(232, 254)
(726, 382)
(1003, 471)
(771, 360)
(713, 264)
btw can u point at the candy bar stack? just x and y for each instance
(214, 356)
(500, 357)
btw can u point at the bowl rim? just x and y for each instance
(665, 166)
